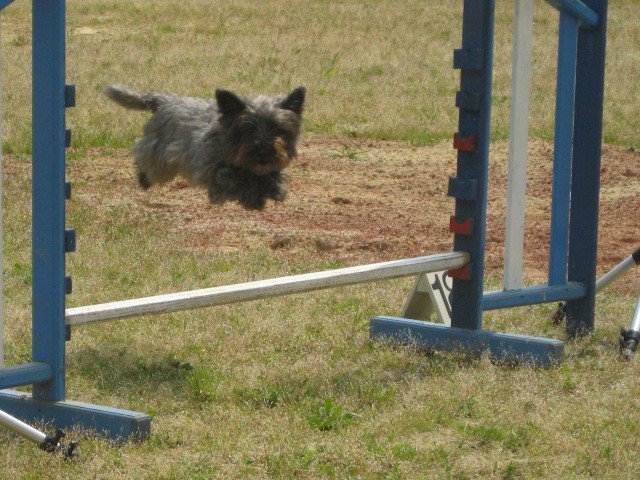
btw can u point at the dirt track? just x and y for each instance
(361, 201)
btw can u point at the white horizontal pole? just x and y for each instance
(244, 292)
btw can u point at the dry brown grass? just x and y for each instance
(371, 67)
(237, 391)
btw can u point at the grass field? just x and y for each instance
(293, 387)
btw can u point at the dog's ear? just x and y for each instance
(229, 104)
(294, 101)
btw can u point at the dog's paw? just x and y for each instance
(256, 203)
(276, 186)
(216, 197)
(143, 181)
(279, 194)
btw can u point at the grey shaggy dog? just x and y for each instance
(235, 147)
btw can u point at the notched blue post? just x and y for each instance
(49, 17)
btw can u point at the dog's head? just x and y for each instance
(262, 132)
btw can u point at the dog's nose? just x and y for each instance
(266, 150)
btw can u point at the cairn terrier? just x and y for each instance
(236, 147)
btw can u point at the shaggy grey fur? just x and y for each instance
(236, 147)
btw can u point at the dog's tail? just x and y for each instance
(135, 100)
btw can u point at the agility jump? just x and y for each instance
(573, 248)
(277, 287)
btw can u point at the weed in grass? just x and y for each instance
(439, 456)
(348, 151)
(366, 73)
(329, 416)
(569, 382)
(174, 362)
(482, 434)
(404, 452)
(512, 470)
(375, 395)
(259, 397)
(23, 272)
(333, 68)
(20, 41)
(348, 305)
(164, 440)
(73, 155)
(467, 408)
(519, 437)
(445, 34)
(177, 276)
(168, 29)
(203, 384)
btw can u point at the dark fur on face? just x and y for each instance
(261, 138)
(236, 147)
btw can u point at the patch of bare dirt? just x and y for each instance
(374, 201)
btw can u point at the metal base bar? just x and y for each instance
(116, 424)
(521, 348)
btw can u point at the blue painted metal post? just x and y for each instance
(563, 140)
(469, 188)
(587, 148)
(50, 243)
(49, 194)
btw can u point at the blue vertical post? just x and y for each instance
(469, 187)
(49, 194)
(585, 188)
(563, 140)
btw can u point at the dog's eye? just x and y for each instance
(284, 135)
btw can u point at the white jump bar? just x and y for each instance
(243, 292)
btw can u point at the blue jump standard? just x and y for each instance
(574, 229)
(51, 241)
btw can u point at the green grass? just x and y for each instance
(374, 69)
(293, 387)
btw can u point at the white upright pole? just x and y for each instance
(518, 139)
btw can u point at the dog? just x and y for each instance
(236, 147)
